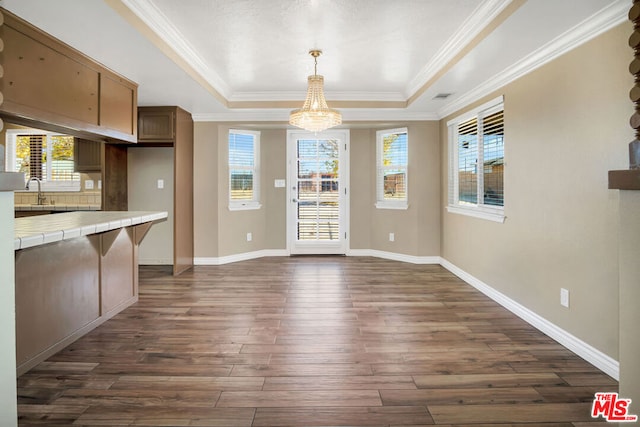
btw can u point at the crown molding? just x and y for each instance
(282, 115)
(607, 18)
(146, 11)
(471, 27)
(299, 96)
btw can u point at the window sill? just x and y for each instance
(249, 206)
(489, 214)
(389, 205)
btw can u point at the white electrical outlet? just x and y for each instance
(392, 237)
(564, 297)
(88, 184)
(249, 237)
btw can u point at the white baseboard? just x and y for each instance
(592, 355)
(239, 257)
(395, 256)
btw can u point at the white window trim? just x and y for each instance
(246, 205)
(46, 185)
(490, 213)
(381, 203)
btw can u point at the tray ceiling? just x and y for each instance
(382, 59)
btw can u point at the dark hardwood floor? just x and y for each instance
(308, 341)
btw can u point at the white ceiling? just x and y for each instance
(382, 59)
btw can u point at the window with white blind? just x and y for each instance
(43, 155)
(476, 162)
(244, 169)
(392, 157)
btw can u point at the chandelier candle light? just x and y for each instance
(315, 115)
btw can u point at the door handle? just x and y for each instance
(294, 200)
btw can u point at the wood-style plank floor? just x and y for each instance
(312, 341)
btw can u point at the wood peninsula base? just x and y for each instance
(66, 288)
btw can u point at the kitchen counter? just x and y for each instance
(39, 230)
(73, 271)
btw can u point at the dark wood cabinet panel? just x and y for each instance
(118, 105)
(87, 155)
(114, 178)
(156, 125)
(50, 85)
(39, 77)
(183, 193)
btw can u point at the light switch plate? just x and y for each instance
(279, 183)
(564, 297)
(88, 184)
(160, 184)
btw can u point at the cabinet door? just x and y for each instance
(42, 82)
(156, 126)
(87, 155)
(117, 104)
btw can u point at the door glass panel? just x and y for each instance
(318, 190)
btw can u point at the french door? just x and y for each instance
(318, 204)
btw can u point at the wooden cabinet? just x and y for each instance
(115, 195)
(49, 85)
(173, 127)
(156, 126)
(118, 104)
(87, 155)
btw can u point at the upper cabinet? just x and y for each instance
(156, 125)
(87, 155)
(49, 84)
(118, 104)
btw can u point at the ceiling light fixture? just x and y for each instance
(315, 115)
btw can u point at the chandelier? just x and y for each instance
(315, 115)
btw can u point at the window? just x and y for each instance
(392, 159)
(43, 155)
(244, 172)
(476, 162)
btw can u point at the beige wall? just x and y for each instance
(565, 127)
(416, 229)
(362, 197)
(145, 166)
(221, 232)
(205, 189)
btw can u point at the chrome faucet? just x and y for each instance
(41, 198)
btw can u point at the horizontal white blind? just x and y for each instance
(493, 158)
(393, 159)
(46, 157)
(242, 166)
(468, 161)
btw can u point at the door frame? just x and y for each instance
(343, 178)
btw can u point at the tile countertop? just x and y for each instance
(39, 230)
(58, 207)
